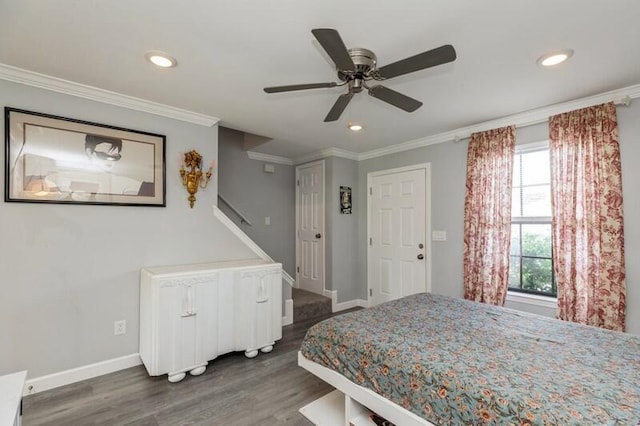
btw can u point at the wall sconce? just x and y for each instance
(191, 173)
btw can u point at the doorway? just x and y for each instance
(310, 248)
(398, 224)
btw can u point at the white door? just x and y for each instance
(398, 226)
(310, 227)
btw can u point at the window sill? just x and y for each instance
(532, 299)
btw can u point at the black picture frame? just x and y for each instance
(52, 159)
(345, 200)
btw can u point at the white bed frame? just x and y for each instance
(356, 400)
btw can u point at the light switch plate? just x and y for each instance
(439, 235)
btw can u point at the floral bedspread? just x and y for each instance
(452, 362)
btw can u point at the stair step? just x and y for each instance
(307, 305)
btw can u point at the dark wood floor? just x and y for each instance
(267, 390)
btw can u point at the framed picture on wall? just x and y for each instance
(50, 159)
(345, 200)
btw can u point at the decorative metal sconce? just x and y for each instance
(192, 176)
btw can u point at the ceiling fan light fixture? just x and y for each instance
(355, 127)
(161, 59)
(555, 58)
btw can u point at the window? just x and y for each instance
(531, 263)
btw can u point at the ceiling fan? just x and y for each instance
(357, 67)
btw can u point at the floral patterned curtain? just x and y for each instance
(487, 215)
(586, 199)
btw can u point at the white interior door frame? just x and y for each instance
(324, 230)
(427, 241)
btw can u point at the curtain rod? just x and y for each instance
(624, 101)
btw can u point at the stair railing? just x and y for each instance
(243, 219)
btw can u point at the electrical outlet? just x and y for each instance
(120, 327)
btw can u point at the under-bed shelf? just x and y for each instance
(348, 404)
(331, 410)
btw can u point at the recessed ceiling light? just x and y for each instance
(160, 59)
(555, 58)
(355, 127)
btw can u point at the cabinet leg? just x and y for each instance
(251, 354)
(267, 349)
(198, 370)
(175, 378)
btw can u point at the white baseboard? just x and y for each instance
(333, 295)
(66, 377)
(342, 306)
(288, 312)
(352, 304)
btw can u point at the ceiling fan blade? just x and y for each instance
(338, 107)
(290, 88)
(332, 43)
(438, 56)
(394, 98)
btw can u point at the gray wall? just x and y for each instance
(243, 182)
(67, 272)
(341, 229)
(448, 168)
(256, 194)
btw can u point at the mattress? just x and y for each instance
(452, 361)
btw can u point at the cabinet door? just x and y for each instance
(174, 332)
(204, 311)
(187, 325)
(274, 278)
(254, 309)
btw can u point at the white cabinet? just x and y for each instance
(190, 314)
(11, 398)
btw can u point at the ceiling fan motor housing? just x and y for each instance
(365, 61)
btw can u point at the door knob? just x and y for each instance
(318, 235)
(421, 256)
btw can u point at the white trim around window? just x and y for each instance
(532, 299)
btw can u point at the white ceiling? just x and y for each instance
(228, 50)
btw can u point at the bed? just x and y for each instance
(429, 359)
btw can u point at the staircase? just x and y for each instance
(307, 305)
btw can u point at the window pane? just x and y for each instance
(516, 170)
(530, 265)
(536, 275)
(536, 200)
(535, 167)
(515, 240)
(516, 206)
(514, 272)
(536, 240)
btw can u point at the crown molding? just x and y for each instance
(55, 84)
(328, 152)
(269, 158)
(523, 119)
